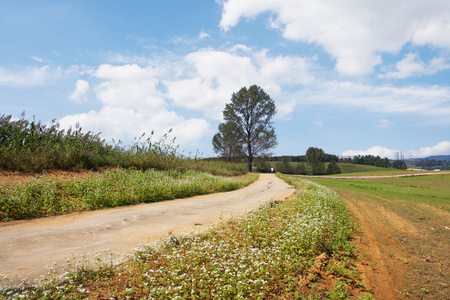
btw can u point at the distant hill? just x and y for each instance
(438, 157)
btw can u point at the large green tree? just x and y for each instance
(315, 158)
(250, 112)
(225, 142)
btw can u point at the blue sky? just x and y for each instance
(351, 77)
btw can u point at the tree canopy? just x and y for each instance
(249, 115)
(225, 143)
(315, 157)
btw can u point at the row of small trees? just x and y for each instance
(377, 161)
(314, 164)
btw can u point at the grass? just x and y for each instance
(347, 168)
(298, 248)
(34, 147)
(46, 196)
(410, 217)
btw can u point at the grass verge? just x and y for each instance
(46, 196)
(298, 248)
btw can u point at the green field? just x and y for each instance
(346, 169)
(410, 219)
(366, 170)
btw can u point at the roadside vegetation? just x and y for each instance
(46, 196)
(34, 147)
(408, 218)
(298, 248)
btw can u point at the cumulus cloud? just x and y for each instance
(126, 123)
(28, 76)
(214, 75)
(81, 89)
(427, 101)
(353, 32)
(411, 65)
(132, 105)
(143, 94)
(442, 148)
(375, 150)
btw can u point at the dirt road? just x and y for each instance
(26, 247)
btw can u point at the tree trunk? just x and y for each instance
(250, 157)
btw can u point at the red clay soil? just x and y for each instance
(9, 177)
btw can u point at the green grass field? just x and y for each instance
(410, 218)
(350, 169)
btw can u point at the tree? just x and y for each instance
(399, 164)
(333, 168)
(315, 158)
(225, 142)
(251, 111)
(300, 169)
(285, 166)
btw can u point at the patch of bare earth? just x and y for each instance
(403, 257)
(8, 177)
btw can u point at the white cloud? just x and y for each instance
(354, 32)
(132, 105)
(383, 123)
(126, 123)
(143, 94)
(212, 77)
(28, 77)
(36, 58)
(442, 148)
(81, 89)
(433, 101)
(318, 123)
(203, 35)
(411, 65)
(375, 150)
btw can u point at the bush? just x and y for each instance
(333, 168)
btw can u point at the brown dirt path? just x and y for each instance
(373, 268)
(391, 259)
(26, 247)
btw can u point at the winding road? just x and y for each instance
(26, 247)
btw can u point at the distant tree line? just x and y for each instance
(376, 161)
(302, 158)
(432, 163)
(312, 163)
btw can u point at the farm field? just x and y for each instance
(404, 232)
